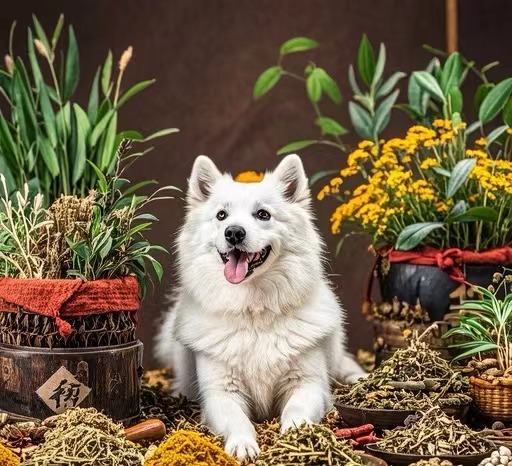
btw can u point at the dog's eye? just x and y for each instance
(262, 214)
(222, 215)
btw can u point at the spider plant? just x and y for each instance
(485, 325)
(46, 137)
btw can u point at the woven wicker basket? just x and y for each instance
(494, 401)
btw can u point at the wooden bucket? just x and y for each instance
(41, 382)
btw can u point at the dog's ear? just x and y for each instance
(204, 175)
(290, 173)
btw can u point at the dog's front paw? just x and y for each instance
(242, 447)
(293, 423)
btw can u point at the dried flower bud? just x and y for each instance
(41, 48)
(125, 58)
(497, 277)
(9, 63)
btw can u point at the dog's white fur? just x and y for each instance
(271, 344)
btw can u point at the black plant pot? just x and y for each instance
(428, 285)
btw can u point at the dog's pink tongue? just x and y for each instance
(235, 269)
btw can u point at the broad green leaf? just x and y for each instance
(106, 73)
(366, 61)
(455, 100)
(442, 171)
(314, 85)
(157, 267)
(459, 175)
(361, 120)
(429, 84)
(330, 126)
(139, 87)
(451, 74)
(82, 128)
(321, 174)
(72, 68)
(459, 208)
(161, 133)
(63, 121)
(495, 100)
(99, 129)
(297, 145)
(507, 113)
(383, 112)
(49, 156)
(390, 84)
(329, 86)
(473, 214)
(481, 94)
(7, 141)
(379, 67)
(267, 80)
(34, 64)
(298, 44)
(109, 148)
(130, 134)
(94, 97)
(48, 115)
(412, 235)
(495, 134)
(418, 98)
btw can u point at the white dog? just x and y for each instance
(256, 329)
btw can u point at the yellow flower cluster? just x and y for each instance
(400, 186)
(249, 177)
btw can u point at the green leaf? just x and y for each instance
(82, 129)
(72, 68)
(158, 267)
(442, 171)
(99, 129)
(352, 80)
(102, 180)
(41, 35)
(94, 97)
(109, 149)
(429, 84)
(474, 214)
(379, 67)
(383, 112)
(361, 120)
(482, 348)
(297, 145)
(106, 74)
(329, 86)
(459, 208)
(161, 133)
(139, 87)
(459, 175)
(390, 84)
(366, 61)
(267, 80)
(298, 44)
(48, 115)
(57, 31)
(134, 188)
(412, 235)
(314, 85)
(495, 100)
(507, 113)
(455, 100)
(330, 126)
(34, 64)
(321, 174)
(495, 134)
(451, 74)
(481, 94)
(418, 98)
(49, 156)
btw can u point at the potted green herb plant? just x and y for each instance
(74, 261)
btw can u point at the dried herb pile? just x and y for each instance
(397, 310)
(185, 447)
(413, 378)
(7, 457)
(434, 434)
(22, 438)
(86, 437)
(309, 445)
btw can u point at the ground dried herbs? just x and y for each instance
(413, 378)
(7, 457)
(307, 446)
(22, 438)
(434, 434)
(187, 448)
(85, 437)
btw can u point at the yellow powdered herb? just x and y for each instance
(8, 458)
(188, 448)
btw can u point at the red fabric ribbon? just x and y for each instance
(450, 260)
(69, 298)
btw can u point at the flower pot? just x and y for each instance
(493, 401)
(429, 285)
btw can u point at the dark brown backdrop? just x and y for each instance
(206, 55)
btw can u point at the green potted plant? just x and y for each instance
(435, 201)
(74, 261)
(485, 333)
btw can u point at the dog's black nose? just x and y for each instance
(234, 235)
